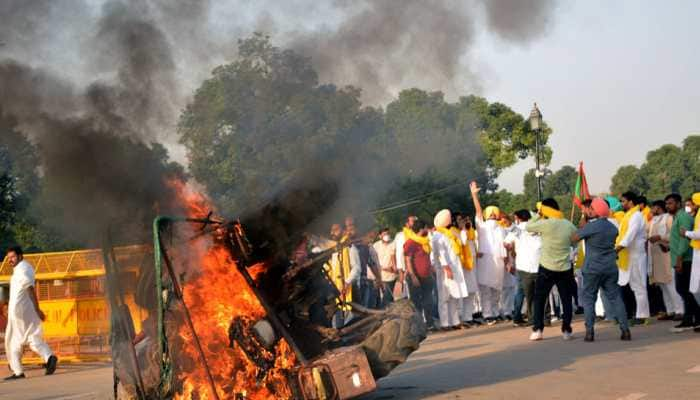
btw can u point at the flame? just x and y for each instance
(215, 295)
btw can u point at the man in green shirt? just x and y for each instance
(681, 260)
(555, 265)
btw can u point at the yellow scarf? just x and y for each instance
(549, 212)
(581, 255)
(696, 243)
(467, 257)
(647, 214)
(339, 271)
(455, 242)
(623, 259)
(619, 216)
(421, 240)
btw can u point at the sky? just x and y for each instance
(614, 80)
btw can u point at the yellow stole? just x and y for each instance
(647, 214)
(623, 259)
(467, 256)
(454, 240)
(421, 240)
(619, 216)
(581, 255)
(549, 212)
(341, 270)
(696, 243)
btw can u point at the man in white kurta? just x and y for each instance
(469, 303)
(490, 264)
(451, 286)
(634, 240)
(24, 318)
(659, 259)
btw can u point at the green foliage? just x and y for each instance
(668, 169)
(19, 180)
(264, 119)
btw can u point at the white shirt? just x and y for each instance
(385, 254)
(528, 247)
(399, 241)
(635, 239)
(20, 298)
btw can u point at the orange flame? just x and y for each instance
(215, 295)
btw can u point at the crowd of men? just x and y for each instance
(532, 267)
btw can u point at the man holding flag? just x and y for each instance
(581, 192)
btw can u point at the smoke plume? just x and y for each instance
(98, 86)
(383, 46)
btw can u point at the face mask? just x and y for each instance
(386, 238)
(688, 210)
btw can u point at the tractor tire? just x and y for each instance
(400, 334)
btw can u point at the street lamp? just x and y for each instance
(536, 126)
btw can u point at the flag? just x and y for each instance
(581, 192)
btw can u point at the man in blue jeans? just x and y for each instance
(600, 266)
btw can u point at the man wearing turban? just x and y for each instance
(600, 266)
(491, 256)
(445, 255)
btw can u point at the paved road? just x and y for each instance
(499, 363)
(486, 363)
(70, 382)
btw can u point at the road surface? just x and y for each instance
(485, 363)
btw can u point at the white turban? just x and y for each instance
(443, 219)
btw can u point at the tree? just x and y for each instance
(667, 169)
(504, 135)
(628, 177)
(263, 121)
(19, 184)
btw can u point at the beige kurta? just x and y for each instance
(661, 271)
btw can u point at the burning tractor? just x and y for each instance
(231, 315)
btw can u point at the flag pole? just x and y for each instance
(571, 218)
(573, 203)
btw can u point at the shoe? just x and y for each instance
(665, 317)
(15, 377)
(641, 322)
(681, 328)
(466, 324)
(536, 335)
(678, 318)
(491, 321)
(696, 329)
(519, 323)
(567, 335)
(590, 336)
(476, 323)
(626, 335)
(457, 327)
(51, 365)
(509, 318)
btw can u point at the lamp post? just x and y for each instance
(536, 126)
